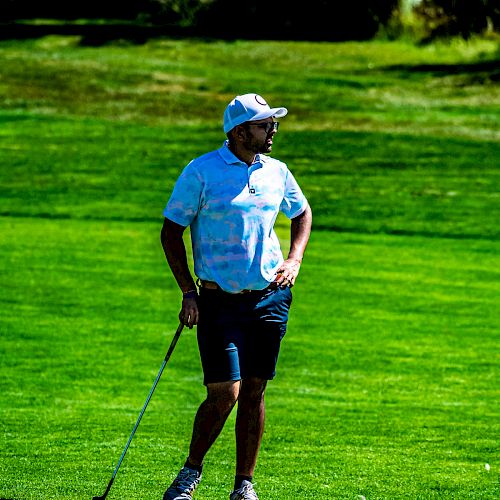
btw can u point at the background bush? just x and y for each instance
(444, 18)
(314, 20)
(279, 19)
(318, 19)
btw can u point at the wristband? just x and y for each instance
(191, 294)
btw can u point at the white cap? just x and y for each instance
(248, 108)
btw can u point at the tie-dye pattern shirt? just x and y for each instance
(231, 209)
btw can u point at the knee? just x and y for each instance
(223, 398)
(252, 391)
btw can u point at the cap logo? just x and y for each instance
(260, 100)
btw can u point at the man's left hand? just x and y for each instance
(288, 272)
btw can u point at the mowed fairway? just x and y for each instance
(387, 385)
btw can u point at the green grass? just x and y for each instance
(388, 381)
(400, 149)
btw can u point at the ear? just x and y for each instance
(239, 133)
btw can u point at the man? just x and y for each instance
(230, 198)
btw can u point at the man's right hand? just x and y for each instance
(189, 314)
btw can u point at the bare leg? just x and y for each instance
(249, 424)
(211, 417)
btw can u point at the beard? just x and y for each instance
(259, 146)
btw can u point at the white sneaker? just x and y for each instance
(184, 484)
(246, 492)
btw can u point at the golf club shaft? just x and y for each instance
(167, 356)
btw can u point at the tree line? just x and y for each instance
(274, 19)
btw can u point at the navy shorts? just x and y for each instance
(239, 335)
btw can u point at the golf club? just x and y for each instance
(167, 356)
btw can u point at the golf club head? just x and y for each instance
(105, 494)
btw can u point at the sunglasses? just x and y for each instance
(267, 127)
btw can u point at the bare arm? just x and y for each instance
(175, 252)
(300, 231)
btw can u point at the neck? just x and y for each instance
(242, 154)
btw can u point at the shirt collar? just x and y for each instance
(230, 158)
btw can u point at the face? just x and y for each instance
(259, 135)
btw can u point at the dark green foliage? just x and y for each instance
(75, 9)
(257, 19)
(180, 12)
(281, 19)
(177, 12)
(444, 18)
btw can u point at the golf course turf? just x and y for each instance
(387, 383)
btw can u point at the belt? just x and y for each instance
(212, 285)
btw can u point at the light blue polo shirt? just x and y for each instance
(231, 209)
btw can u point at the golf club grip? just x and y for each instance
(174, 341)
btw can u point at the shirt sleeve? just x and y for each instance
(184, 202)
(294, 202)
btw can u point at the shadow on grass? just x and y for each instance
(478, 71)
